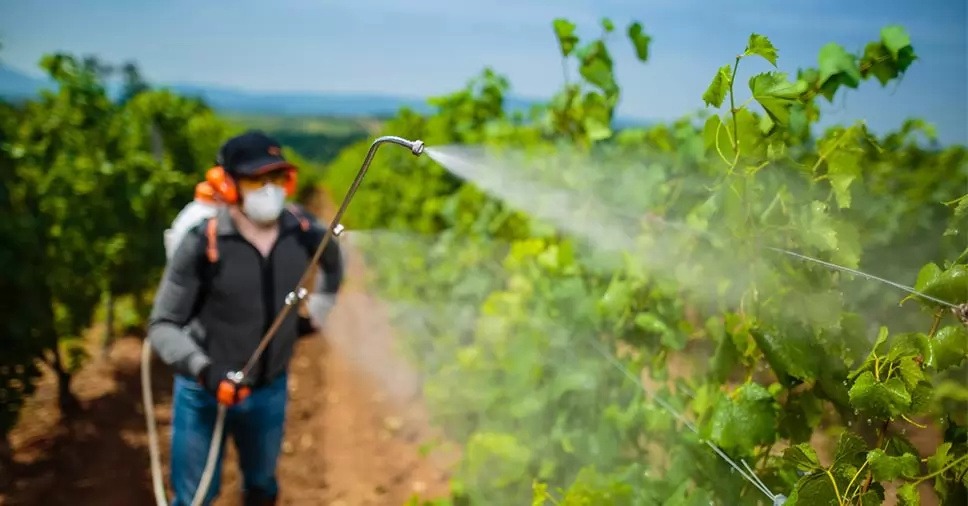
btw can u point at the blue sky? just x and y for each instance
(426, 47)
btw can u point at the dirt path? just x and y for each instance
(344, 443)
(354, 436)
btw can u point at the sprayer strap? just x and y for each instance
(211, 233)
(304, 223)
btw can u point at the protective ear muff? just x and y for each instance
(223, 184)
(290, 184)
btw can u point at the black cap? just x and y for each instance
(251, 153)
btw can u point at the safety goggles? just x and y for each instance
(249, 183)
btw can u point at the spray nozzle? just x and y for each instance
(417, 148)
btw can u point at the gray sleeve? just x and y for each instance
(172, 310)
(331, 264)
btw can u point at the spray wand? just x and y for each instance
(237, 378)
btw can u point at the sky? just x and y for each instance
(428, 47)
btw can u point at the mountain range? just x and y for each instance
(16, 85)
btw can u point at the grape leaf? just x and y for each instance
(843, 167)
(888, 468)
(877, 60)
(961, 211)
(595, 129)
(850, 450)
(607, 25)
(775, 94)
(640, 41)
(950, 347)
(790, 356)
(895, 38)
(884, 400)
(837, 67)
(803, 456)
(760, 45)
(746, 421)
(565, 31)
(921, 398)
(950, 285)
(814, 490)
(716, 92)
(908, 495)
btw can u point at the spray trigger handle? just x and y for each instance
(296, 296)
(233, 389)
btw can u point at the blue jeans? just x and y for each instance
(256, 425)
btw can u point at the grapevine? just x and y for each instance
(793, 369)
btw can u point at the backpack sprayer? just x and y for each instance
(237, 377)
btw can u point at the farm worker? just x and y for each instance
(225, 283)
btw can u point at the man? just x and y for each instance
(220, 292)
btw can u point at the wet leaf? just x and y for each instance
(889, 468)
(746, 420)
(880, 399)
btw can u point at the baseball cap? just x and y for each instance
(251, 153)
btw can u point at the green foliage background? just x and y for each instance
(569, 372)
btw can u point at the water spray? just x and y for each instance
(238, 377)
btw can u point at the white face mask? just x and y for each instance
(265, 204)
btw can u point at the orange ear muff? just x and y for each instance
(222, 183)
(205, 192)
(290, 184)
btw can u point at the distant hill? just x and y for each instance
(17, 85)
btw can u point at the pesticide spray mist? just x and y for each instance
(516, 388)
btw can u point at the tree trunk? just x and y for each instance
(108, 325)
(6, 460)
(65, 397)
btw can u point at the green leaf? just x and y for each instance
(715, 131)
(895, 38)
(878, 61)
(950, 347)
(883, 400)
(746, 421)
(565, 32)
(716, 92)
(960, 212)
(908, 495)
(640, 41)
(803, 456)
(760, 45)
(843, 167)
(927, 275)
(837, 67)
(596, 67)
(911, 373)
(850, 450)
(607, 25)
(872, 497)
(796, 357)
(814, 490)
(887, 468)
(596, 129)
(950, 286)
(775, 94)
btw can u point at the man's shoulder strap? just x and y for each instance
(211, 239)
(305, 225)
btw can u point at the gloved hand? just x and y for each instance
(215, 379)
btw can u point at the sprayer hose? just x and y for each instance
(161, 496)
